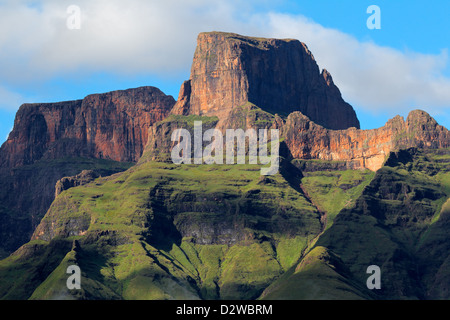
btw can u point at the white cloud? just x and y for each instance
(118, 36)
(159, 37)
(369, 75)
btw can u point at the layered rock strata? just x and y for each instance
(112, 125)
(279, 76)
(363, 148)
(304, 139)
(53, 140)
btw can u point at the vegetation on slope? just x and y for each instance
(160, 231)
(165, 231)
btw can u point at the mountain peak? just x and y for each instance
(420, 116)
(277, 75)
(112, 125)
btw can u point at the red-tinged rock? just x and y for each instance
(112, 125)
(53, 140)
(363, 148)
(278, 75)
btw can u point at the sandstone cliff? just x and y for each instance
(304, 139)
(112, 126)
(363, 148)
(55, 140)
(279, 76)
(247, 81)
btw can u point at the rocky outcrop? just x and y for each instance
(80, 179)
(112, 126)
(279, 76)
(347, 149)
(55, 140)
(363, 148)
(247, 82)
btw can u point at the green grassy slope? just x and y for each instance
(161, 231)
(321, 275)
(27, 192)
(332, 191)
(166, 231)
(399, 223)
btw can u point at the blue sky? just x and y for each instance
(124, 44)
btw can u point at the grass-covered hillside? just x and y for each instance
(26, 193)
(159, 231)
(399, 223)
(165, 231)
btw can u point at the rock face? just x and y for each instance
(304, 139)
(245, 82)
(54, 140)
(363, 148)
(112, 126)
(279, 76)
